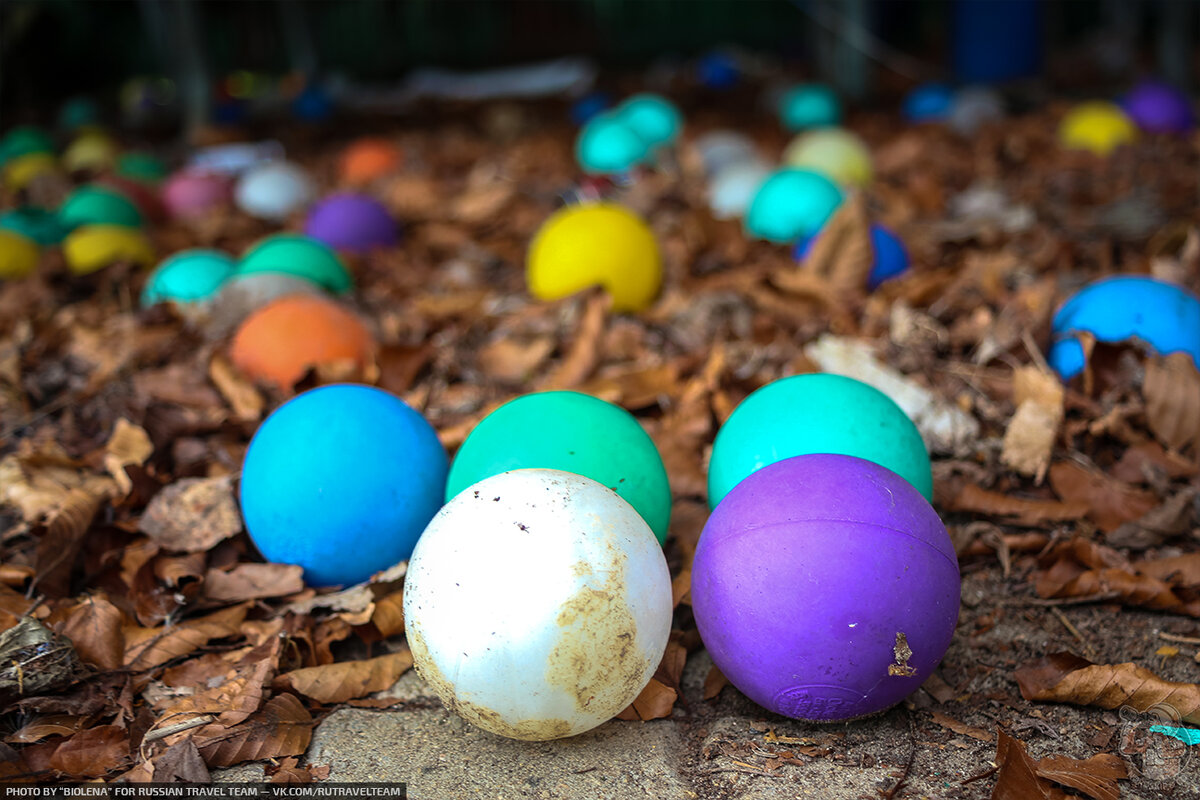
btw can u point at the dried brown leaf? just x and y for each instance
(149, 647)
(192, 514)
(250, 581)
(1029, 439)
(1174, 517)
(43, 727)
(581, 360)
(60, 545)
(1147, 462)
(129, 446)
(1020, 510)
(1096, 776)
(1109, 502)
(95, 627)
(337, 683)
(842, 252)
(714, 682)
(181, 762)
(388, 616)
(654, 702)
(1017, 777)
(1066, 678)
(93, 752)
(1172, 393)
(512, 361)
(962, 728)
(239, 392)
(283, 727)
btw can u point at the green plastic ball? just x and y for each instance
(141, 167)
(652, 117)
(810, 105)
(792, 204)
(95, 205)
(607, 145)
(575, 433)
(190, 276)
(300, 256)
(23, 140)
(816, 413)
(37, 224)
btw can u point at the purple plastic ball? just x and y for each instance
(352, 222)
(1159, 108)
(811, 579)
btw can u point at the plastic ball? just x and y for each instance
(792, 204)
(810, 105)
(18, 255)
(558, 652)
(368, 159)
(21, 171)
(280, 342)
(92, 247)
(834, 152)
(825, 588)
(607, 144)
(929, 102)
(718, 71)
(37, 224)
(313, 104)
(599, 244)
(1159, 108)
(78, 112)
(191, 194)
(590, 105)
(732, 189)
(298, 255)
(816, 413)
(274, 191)
(94, 151)
(354, 222)
(652, 117)
(189, 276)
(1162, 316)
(98, 205)
(341, 480)
(141, 167)
(1097, 126)
(890, 256)
(719, 150)
(973, 108)
(145, 197)
(576, 433)
(23, 140)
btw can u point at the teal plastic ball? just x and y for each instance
(816, 413)
(792, 204)
(653, 117)
(37, 224)
(190, 276)
(811, 105)
(97, 205)
(300, 256)
(607, 145)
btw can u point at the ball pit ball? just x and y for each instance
(890, 256)
(280, 342)
(573, 432)
(274, 191)
(37, 224)
(23, 140)
(299, 256)
(188, 276)
(1158, 107)
(1097, 126)
(92, 150)
(813, 577)
(816, 413)
(537, 604)
(834, 152)
(368, 159)
(18, 255)
(929, 102)
(142, 167)
(973, 108)
(352, 222)
(98, 205)
(23, 170)
(341, 480)
(607, 145)
(721, 149)
(731, 190)
(652, 117)
(191, 194)
(590, 105)
(145, 197)
(93, 247)
(598, 244)
(1160, 315)
(810, 105)
(792, 204)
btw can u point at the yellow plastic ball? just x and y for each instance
(93, 150)
(18, 255)
(22, 170)
(596, 245)
(835, 152)
(94, 247)
(1097, 126)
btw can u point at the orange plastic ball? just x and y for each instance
(367, 159)
(286, 338)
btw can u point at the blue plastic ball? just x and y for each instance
(589, 106)
(792, 204)
(313, 104)
(929, 102)
(891, 259)
(718, 70)
(810, 105)
(342, 480)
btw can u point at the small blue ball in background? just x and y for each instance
(313, 104)
(342, 480)
(929, 102)
(229, 111)
(588, 106)
(891, 259)
(718, 70)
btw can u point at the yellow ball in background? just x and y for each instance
(22, 170)
(599, 244)
(18, 255)
(94, 247)
(837, 153)
(1097, 126)
(94, 150)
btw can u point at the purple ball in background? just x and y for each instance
(1159, 108)
(352, 222)
(804, 578)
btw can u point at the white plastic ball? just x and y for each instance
(974, 107)
(275, 191)
(537, 604)
(719, 150)
(731, 190)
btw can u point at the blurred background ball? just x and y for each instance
(835, 152)
(792, 204)
(274, 191)
(356, 223)
(1096, 126)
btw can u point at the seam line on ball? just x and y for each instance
(750, 528)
